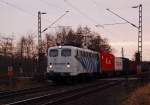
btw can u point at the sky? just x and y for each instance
(19, 17)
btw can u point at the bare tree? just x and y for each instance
(99, 44)
(50, 41)
(21, 46)
(69, 37)
(83, 36)
(30, 46)
(61, 35)
(26, 46)
(7, 45)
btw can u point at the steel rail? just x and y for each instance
(52, 98)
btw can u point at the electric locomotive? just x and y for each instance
(67, 62)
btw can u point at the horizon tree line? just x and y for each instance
(27, 47)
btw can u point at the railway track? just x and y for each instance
(12, 96)
(59, 96)
(7, 94)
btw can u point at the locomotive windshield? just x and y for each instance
(53, 53)
(66, 52)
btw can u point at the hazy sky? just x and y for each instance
(19, 17)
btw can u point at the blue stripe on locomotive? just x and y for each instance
(89, 64)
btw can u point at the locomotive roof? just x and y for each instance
(72, 47)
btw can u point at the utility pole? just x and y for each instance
(140, 32)
(122, 52)
(40, 48)
(55, 21)
(50, 26)
(139, 54)
(138, 27)
(39, 33)
(126, 71)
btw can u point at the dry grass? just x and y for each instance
(140, 96)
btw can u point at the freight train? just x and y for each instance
(68, 62)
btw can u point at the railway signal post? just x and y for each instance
(40, 48)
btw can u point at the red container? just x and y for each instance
(106, 62)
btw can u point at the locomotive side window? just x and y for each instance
(53, 53)
(79, 53)
(66, 52)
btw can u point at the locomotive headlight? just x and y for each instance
(50, 65)
(68, 65)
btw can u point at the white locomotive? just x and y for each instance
(68, 61)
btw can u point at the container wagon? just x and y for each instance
(106, 63)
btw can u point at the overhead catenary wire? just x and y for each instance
(122, 18)
(87, 17)
(81, 12)
(108, 24)
(115, 23)
(50, 4)
(98, 4)
(111, 24)
(16, 7)
(55, 21)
